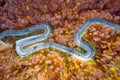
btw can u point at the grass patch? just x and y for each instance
(79, 49)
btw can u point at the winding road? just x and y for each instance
(47, 31)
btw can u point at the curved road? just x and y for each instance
(33, 39)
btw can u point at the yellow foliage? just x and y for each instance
(20, 78)
(118, 58)
(76, 66)
(86, 70)
(112, 69)
(66, 75)
(105, 66)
